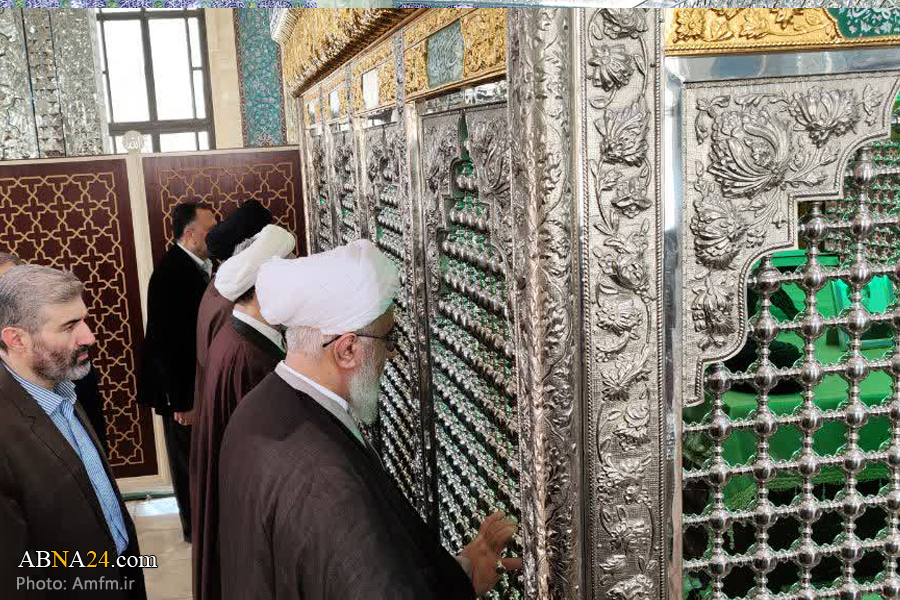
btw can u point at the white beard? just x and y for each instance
(365, 387)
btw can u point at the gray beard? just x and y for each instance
(365, 388)
(58, 366)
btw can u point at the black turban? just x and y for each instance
(248, 220)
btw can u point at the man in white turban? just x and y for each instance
(308, 510)
(243, 352)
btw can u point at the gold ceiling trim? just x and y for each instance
(321, 39)
(720, 30)
(484, 46)
(380, 57)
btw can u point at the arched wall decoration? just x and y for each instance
(752, 149)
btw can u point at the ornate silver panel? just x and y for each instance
(390, 222)
(326, 235)
(49, 100)
(44, 83)
(343, 187)
(78, 78)
(757, 146)
(467, 237)
(622, 261)
(17, 130)
(769, 507)
(545, 267)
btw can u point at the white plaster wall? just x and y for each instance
(223, 74)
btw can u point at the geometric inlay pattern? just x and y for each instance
(77, 217)
(224, 181)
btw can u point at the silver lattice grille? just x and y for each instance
(792, 465)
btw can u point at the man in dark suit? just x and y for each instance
(57, 493)
(88, 387)
(170, 346)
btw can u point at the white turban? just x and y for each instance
(238, 273)
(336, 292)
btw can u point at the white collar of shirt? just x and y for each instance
(326, 398)
(206, 265)
(267, 330)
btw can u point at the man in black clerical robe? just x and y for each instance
(244, 352)
(306, 509)
(215, 311)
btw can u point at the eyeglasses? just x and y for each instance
(389, 339)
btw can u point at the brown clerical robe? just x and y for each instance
(239, 358)
(215, 311)
(308, 513)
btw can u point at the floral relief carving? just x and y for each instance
(442, 147)
(488, 146)
(542, 202)
(758, 146)
(416, 69)
(623, 56)
(612, 66)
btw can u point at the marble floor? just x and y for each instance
(159, 534)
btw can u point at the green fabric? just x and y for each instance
(741, 446)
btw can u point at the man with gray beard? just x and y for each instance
(306, 509)
(57, 493)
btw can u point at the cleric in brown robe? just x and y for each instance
(243, 223)
(306, 509)
(245, 350)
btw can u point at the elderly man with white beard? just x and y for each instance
(307, 510)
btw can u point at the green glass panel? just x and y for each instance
(445, 56)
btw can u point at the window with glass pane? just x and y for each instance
(155, 72)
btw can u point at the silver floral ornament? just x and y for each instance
(623, 133)
(751, 151)
(824, 114)
(612, 66)
(624, 22)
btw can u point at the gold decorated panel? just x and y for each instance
(415, 68)
(484, 35)
(484, 46)
(723, 30)
(380, 57)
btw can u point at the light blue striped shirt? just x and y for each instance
(60, 407)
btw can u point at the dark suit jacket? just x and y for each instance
(47, 503)
(170, 346)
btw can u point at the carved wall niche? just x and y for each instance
(753, 147)
(344, 188)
